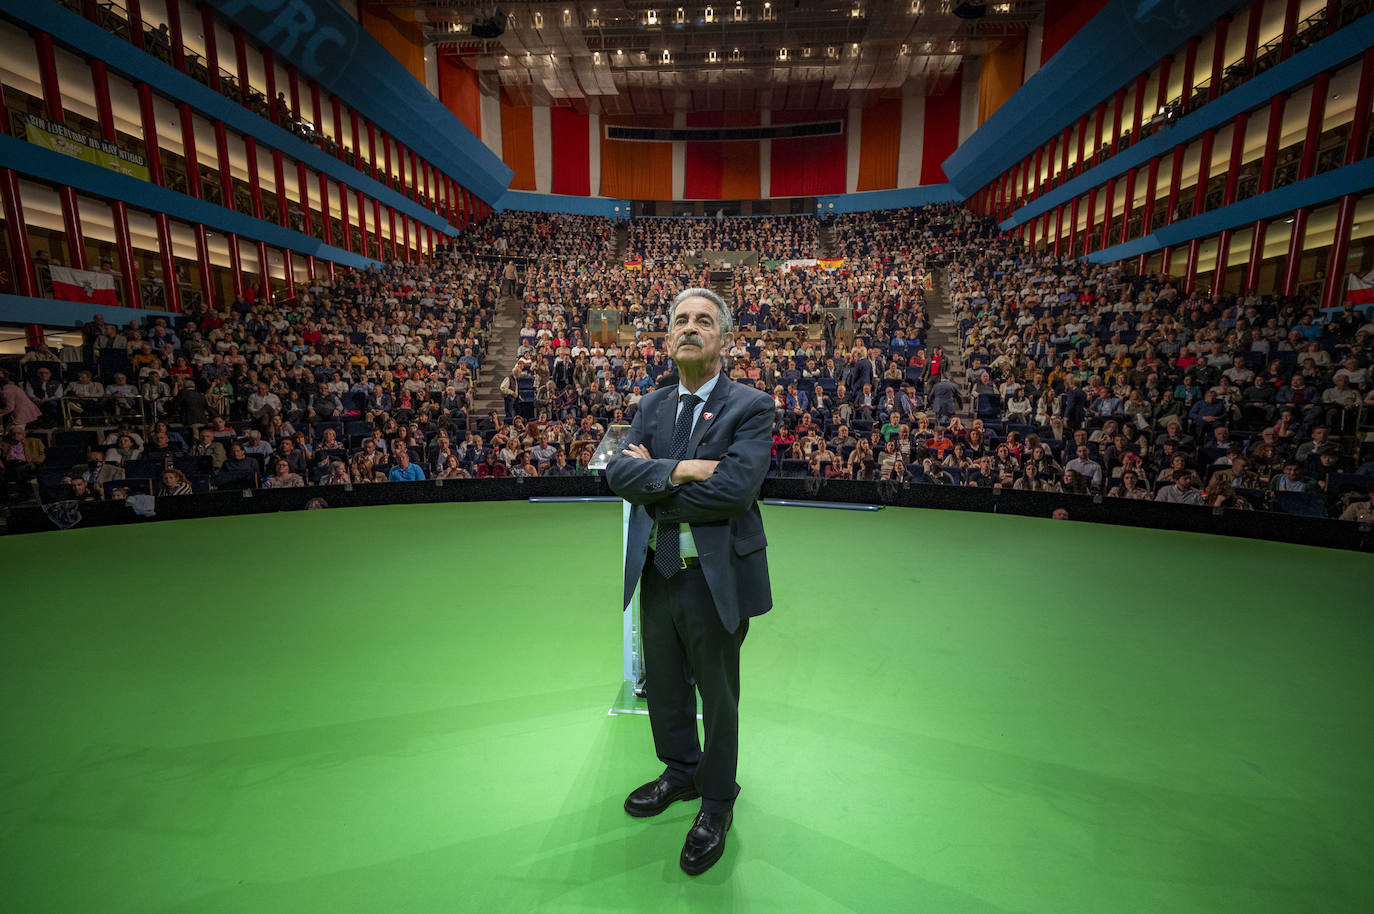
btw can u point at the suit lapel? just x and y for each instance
(714, 403)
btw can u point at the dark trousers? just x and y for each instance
(686, 650)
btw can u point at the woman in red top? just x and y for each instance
(937, 364)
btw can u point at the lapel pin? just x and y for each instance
(706, 415)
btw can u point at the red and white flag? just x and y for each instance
(83, 286)
(1359, 290)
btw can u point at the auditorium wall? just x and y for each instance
(888, 144)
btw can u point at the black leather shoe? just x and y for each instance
(705, 842)
(656, 796)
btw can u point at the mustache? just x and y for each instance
(690, 338)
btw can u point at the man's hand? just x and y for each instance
(692, 471)
(685, 471)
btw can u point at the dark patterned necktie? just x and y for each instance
(668, 546)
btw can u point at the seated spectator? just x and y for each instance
(1131, 487)
(1181, 491)
(124, 450)
(282, 476)
(174, 482)
(337, 474)
(15, 406)
(403, 470)
(1360, 511)
(1292, 479)
(239, 471)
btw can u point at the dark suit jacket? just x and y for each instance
(723, 511)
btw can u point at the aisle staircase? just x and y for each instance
(622, 244)
(828, 248)
(944, 332)
(502, 344)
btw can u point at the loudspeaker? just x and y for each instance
(493, 26)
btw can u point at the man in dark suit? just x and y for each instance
(695, 459)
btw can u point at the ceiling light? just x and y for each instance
(782, 53)
(710, 14)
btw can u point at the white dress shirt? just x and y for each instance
(687, 543)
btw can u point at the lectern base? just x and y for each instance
(627, 702)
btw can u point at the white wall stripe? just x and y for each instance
(968, 101)
(854, 137)
(543, 150)
(765, 157)
(1035, 45)
(594, 162)
(432, 69)
(912, 143)
(679, 158)
(491, 121)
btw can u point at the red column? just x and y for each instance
(52, 104)
(1290, 268)
(119, 212)
(207, 28)
(1088, 223)
(1340, 251)
(1058, 229)
(391, 222)
(18, 235)
(1171, 206)
(1100, 121)
(1138, 115)
(325, 210)
(1290, 28)
(1064, 152)
(362, 225)
(388, 180)
(1204, 170)
(135, 10)
(405, 238)
(1266, 183)
(372, 148)
(1321, 85)
(1128, 205)
(188, 148)
(1345, 213)
(357, 146)
(1252, 27)
(1218, 56)
(317, 112)
(1118, 111)
(241, 60)
(174, 28)
(414, 179)
(236, 265)
(377, 228)
(344, 221)
(269, 67)
(1082, 142)
(164, 224)
(293, 90)
(1072, 233)
(250, 151)
(338, 127)
(1107, 206)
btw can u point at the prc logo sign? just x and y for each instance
(316, 35)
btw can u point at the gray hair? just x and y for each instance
(726, 319)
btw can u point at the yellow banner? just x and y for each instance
(634, 264)
(60, 138)
(830, 263)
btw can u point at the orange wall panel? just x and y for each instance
(459, 92)
(880, 139)
(636, 171)
(402, 37)
(1000, 76)
(517, 143)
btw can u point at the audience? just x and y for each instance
(1062, 377)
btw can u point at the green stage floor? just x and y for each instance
(402, 710)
